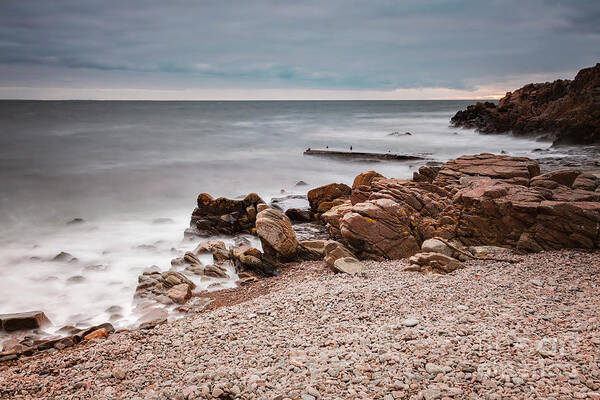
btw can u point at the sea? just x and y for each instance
(113, 183)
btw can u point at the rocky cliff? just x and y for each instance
(568, 111)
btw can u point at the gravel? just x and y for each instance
(483, 332)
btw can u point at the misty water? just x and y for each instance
(132, 171)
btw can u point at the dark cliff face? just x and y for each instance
(567, 110)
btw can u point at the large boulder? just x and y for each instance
(224, 216)
(379, 229)
(276, 234)
(324, 197)
(436, 246)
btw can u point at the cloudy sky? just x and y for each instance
(268, 49)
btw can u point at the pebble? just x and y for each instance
(318, 335)
(410, 322)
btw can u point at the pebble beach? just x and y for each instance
(493, 330)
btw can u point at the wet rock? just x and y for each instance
(191, 258)
(215, 271)
(76, 221)
(301, 183)
(156, 284)
(97, 334)
(216, 247)
(64, 257)
(180, 293)
(426, 174)
(276, 234)
(23, 321)
(321, 199)
(247, 258)
(224, 216)
(162, 221)
(299, 215)
(63, 343)
(348, 265)
(76, 279)
(152, 318)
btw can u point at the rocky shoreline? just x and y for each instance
(470, 214)
(564, 111)
(489, 330)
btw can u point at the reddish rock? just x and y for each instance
(321, 198)
(477, 200)
(365, 178)
(567, 109)
(488, 165)
(23, 321)
(97, 334)
(379, 229)
(554, 179)
(180, 293)
(276, 234)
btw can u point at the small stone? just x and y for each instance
(410, 322)
(118, 373)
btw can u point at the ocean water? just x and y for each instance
(132, 171)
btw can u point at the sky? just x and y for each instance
(276, 50)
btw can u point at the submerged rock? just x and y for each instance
(63, 256)
(23, 321)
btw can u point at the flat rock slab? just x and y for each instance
(348, 265)
(363, 155)
(23, 321)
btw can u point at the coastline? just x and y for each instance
(491, 329)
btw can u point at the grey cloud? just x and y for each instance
(378, 45)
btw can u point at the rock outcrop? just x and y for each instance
(224, 216)
(475, 200)
(568, 110)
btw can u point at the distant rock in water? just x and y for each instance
(400, 134)
(568, 110)
(76, 221)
